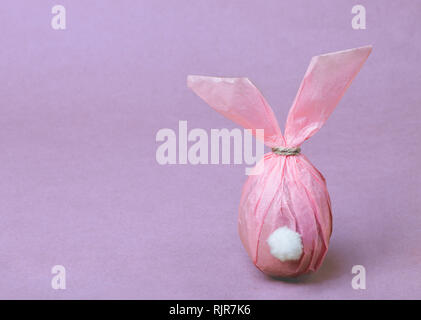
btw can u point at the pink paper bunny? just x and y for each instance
(285, 219)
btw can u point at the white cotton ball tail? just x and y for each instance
(285, 244)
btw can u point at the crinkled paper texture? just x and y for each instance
(291, 191)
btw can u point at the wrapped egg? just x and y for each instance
(285, 218)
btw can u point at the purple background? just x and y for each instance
(80, 185)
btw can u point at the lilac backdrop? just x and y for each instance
(80, 108)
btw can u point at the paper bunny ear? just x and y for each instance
(326, 80)
(240, 101)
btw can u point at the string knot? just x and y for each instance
(285, 151)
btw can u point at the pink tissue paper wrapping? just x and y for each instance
(290, 192)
